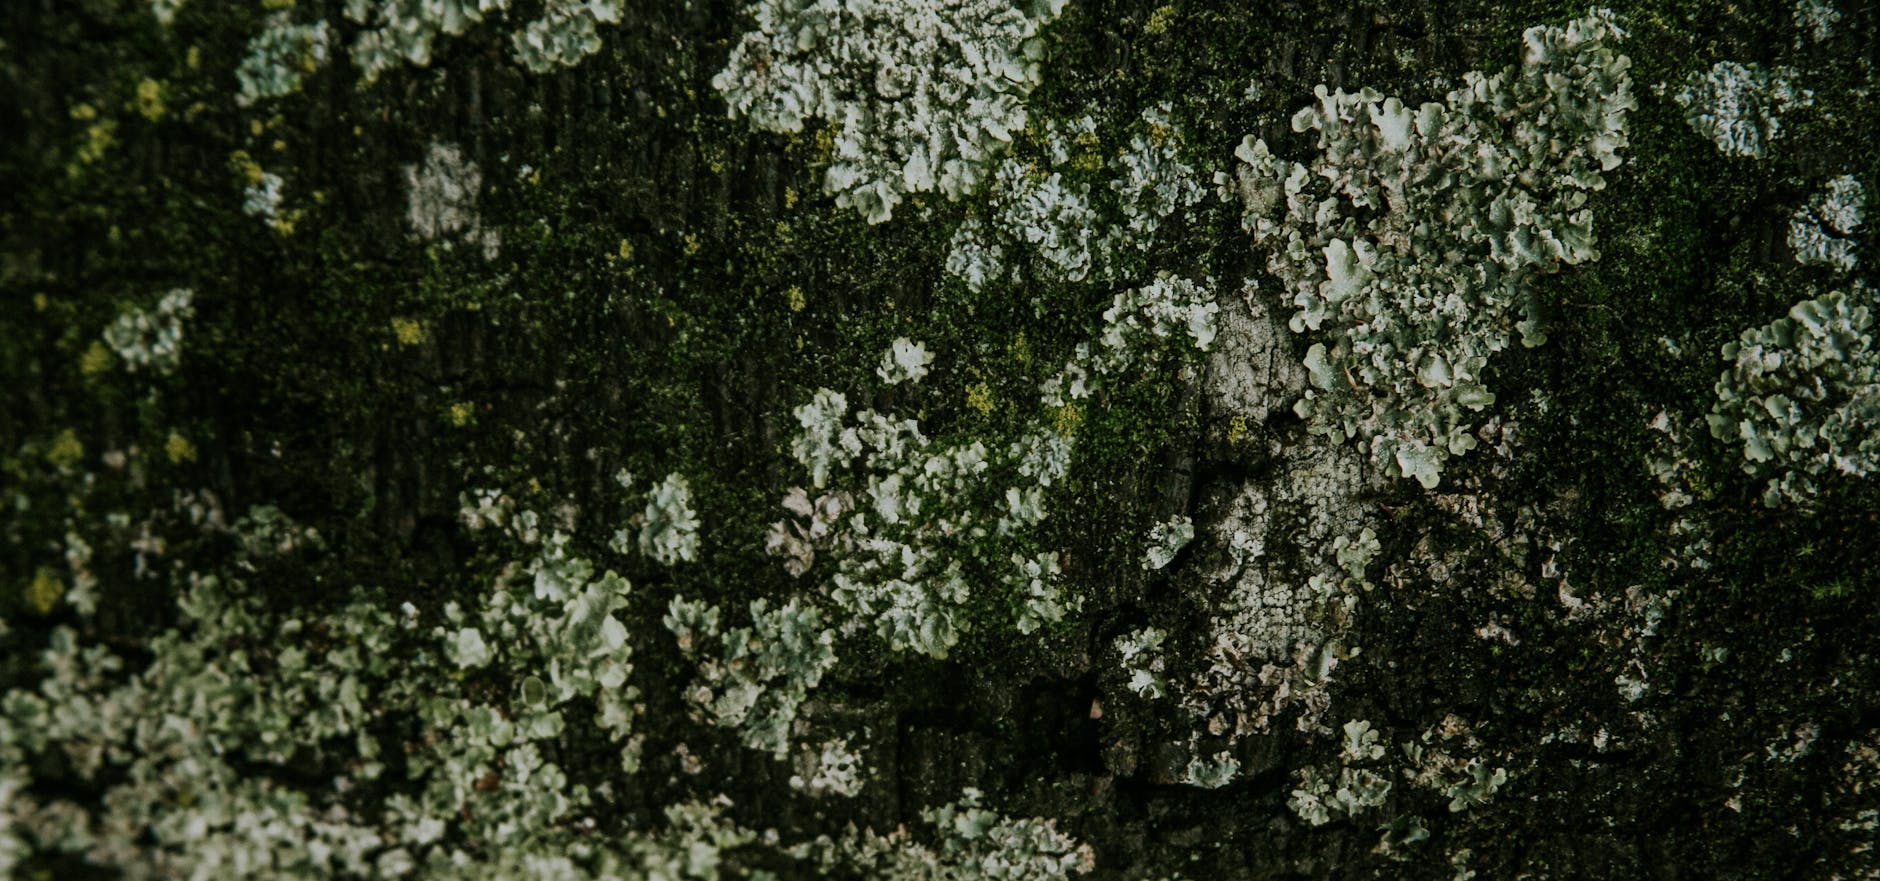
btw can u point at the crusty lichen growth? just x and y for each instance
(1822, 232)
(1739, 107)
(1409, 243)
(753, 678)
(914, 525)
(1044, 223)
(401, 32)
(1802, 395)
(280, 58)
(972, 842)
(152, 339)
(921, 97)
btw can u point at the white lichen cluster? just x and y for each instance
(905, 361)
(1739, 107)
(1152, 182)
(442, 198)
(172, 735)
(1409, 243)
(916, 527)
(357, 741)
(919, 96)
(280, 58)
(1356, 784)
(1043, 222)
(1166, 539)
(1451, 760)
(1675, 470)
(1045, 215)
(165, 10)
(1286, 566)
(668, 526)
(1821, 232)
(832, 768)
(400, 32)
(971, 842)
(1816, 19)
(1802, 395)
(263, 197)
(442, 192)
(567, 626)
(1169, 313)
(1143, 662)
(566, 34)
(753, 678)
(1210, 772)
(152, 339)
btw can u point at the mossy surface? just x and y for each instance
(669, 284)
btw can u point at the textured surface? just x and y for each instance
(511, 439)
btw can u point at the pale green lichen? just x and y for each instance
(401, 32)
(753, 678)
(1211, 772)
(280, 58)
(1043, 223)
(1802, 395)
(404, 31)
(1166, 539)
(1816, 19)
(832, 768)
(1141, 324)
(668, 526)
(1822, 232)
(1408, 245)
(152, 339)
(566, 34)
(1739, 107)
(972, 842)
(1350, 789)
(442, 193)
(165, 10)
(911, 523)
(905, 361)
(920, 96)
(1143, 661)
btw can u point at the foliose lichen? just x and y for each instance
(1821, 232)
(920, 97)
(668, 526)
(1043, 221)
(1408, 245)
(753, 678)
(152, 339)
(400, 32)
(566, 34)
(280, 58)
(914, 524)
(905, 361)
(1802, 395)
(1739, 107)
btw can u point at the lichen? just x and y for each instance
(753, 678)
(152, 340)
(1739, 107)
(1045, 222)
(668, 526)
(1821, 232)
(566, 34)
(905, 361)
(280, 58)
(1408, 246)
(1802, 395)
(921, 97)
